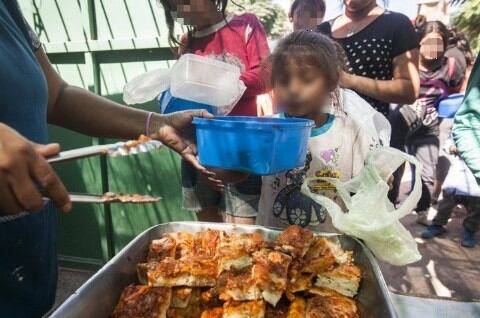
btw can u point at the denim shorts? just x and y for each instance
(240, 200)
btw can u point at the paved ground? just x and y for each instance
(69, 280)
(446, 269)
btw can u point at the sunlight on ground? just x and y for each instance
(437, 285)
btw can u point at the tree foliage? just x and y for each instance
(272, 15)
(468, 20)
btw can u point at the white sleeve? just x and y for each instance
(362, 145)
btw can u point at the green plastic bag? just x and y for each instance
(371, 216)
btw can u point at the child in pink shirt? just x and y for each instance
(239, 40)
(236, 39)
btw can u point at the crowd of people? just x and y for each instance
(401, 68)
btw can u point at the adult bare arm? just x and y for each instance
(22, 168)
(402, 89)
(82, 111)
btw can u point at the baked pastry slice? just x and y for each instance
(192, 272)
(161, 248)
(331, 307)
(294, 240)
(235, 250)
(142, 301)
(239, 285)
(344, 279)
(270, 269)
(244, 309)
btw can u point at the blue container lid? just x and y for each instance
(248, 122)
(448, 107)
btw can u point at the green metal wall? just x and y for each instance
(100, 45)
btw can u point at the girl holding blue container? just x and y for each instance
(306, 69)
(235, 39)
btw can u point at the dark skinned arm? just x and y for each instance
(77, 109)
(402, 89)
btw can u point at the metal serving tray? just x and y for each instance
(99, 295)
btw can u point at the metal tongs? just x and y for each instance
(117, 149)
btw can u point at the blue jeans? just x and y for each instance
(28, 264)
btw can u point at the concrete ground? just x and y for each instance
(446, 269)
(69, 280)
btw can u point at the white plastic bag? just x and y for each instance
(146, 87)
(371, 216)
(460, 180)
(373, 122)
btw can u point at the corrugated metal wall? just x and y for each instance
(100, 45)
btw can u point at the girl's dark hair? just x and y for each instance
(318, 5)
(435, 27)
(307, 48)
(221, 6)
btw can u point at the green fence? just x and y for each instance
(100, 45)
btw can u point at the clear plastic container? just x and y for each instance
(206, 81)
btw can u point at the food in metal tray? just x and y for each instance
(234, 275)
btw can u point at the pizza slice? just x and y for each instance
(244, 309)
(143, 302)
(206, 243)
(169, 272)
(278, 311)
(322, 256)
(331, 307)
(297, 308)
(239, 286)
(184, 244)
(181, 297)
(235, 250)
(193, 309)
(294, 240)
(344, 279)
(297, 280)
(323, 247)
(216, 312)
(271, 272)
(161, 248)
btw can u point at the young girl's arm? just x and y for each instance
(255, 77)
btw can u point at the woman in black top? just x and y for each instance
(382, 51)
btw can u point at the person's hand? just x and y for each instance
(177, 132)
(390, 182)
(453, 150)
(22, 168)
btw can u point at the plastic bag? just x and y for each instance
(460, 180)
(146, 87)
(373, 122)
(371, 216)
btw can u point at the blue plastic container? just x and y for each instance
(261, 146)
(169, 104)
(448, 107)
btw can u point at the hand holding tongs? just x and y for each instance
(115, 149)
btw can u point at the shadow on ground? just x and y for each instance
(446, 270)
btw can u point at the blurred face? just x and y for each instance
(191, 12)
(304, 18)
(432, 46)
(301, 91)
(357, 5)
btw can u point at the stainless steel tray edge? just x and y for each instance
(98, 296)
